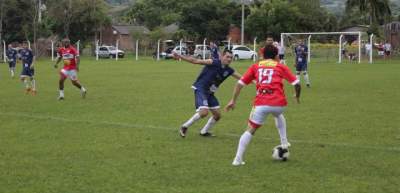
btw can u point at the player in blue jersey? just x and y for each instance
(214, 50)
(12, 59)
(301, 52)
(215, 71)
(28, 71)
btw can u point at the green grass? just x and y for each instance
(123, 137)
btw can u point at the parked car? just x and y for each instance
(167, 54)
(242, 52)
(110, 52)
(198, 51)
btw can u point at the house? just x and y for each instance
(124, 33)
(392, 33)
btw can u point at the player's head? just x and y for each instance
(226, 57)
(300, 42)
(66, 42)
(270, 52)
(10, 46)
(24, 44)
(269, 39)
(212, 43)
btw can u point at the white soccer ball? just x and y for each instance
(278, 153)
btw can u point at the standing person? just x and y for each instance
(381, 49)
(215, 71)
(301, 62)
(28, 71)
(269, 40)
(281, 53)
(270, 99)
(214, 50)
(12, 59)
(71, 67)
(387, 48)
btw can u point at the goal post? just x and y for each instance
(341, 35)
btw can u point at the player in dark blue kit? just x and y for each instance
(28, 71)
(214, 50)
(215, 71)
(301, 52)
(12, 59)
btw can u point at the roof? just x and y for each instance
(128, 29)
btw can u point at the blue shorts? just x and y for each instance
(11, 64)
(301, 66)
(27, 72)
(205, 100)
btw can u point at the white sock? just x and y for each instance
(298, 75)
(83, 89)
(280, 123)
(243, 142)
(210, 123)
(33, 83)
(26, 83)
(61, 93)
(192, 120)
(12, 72)
(306, 78)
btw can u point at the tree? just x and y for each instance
(378, 10)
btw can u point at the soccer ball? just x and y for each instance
(278, 153)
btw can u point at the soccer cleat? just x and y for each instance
(83, 93)
(207, 134)
(183, 131)
(60, 98)
(308, 85)
(238, 162)
(33, 92)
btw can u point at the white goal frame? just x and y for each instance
(359, 33)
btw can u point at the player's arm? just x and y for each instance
(236, 75)
(58, 60)
(297, 90)
(246, 79)
(236, 92)
(33, 62)
(192, 60)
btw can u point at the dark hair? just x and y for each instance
(270, 52)
(269, 35)
(227, 51)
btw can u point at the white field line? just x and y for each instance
(132, 125)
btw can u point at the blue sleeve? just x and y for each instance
(231, 71)
(216, 62)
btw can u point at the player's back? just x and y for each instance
(269, 75)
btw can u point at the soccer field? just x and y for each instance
(123, 137)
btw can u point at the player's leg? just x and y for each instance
(257, 117)
(33, 81)
(216, 116)
(63, 76)
(298, 71)
(305, 75)
(72, 74)
(24, 78)
(201, 105)
(12, 68)
(280, 123)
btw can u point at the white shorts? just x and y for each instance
(259, 114)
(71, 74)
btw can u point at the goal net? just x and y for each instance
(327, 47)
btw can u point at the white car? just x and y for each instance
(198, 51)
(110, 52)
(242, 52)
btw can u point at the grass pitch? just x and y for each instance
(123, 137)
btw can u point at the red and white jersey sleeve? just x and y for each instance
(269, 75)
